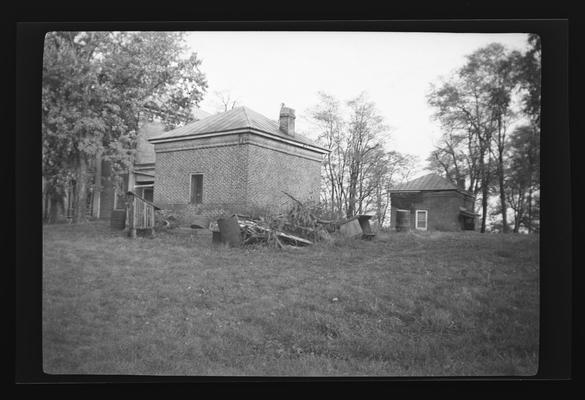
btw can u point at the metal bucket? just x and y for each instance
(402, 220)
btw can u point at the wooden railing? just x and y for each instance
(139, 214)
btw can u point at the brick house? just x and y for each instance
(431, 202)
(235, 160)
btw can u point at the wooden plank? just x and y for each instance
(294, 238)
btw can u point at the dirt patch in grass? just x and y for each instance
(455, 304)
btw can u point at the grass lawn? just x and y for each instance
(433, 304)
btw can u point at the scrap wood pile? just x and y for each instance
(258, 231)
(298, 227)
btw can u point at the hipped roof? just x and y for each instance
(240, 118)
(429, 182)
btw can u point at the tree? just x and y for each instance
(461, 106)
(528, 77)
(358, 172)
(393, 168)
(495, 66)
(456, 158)
(225, 101)
(365, 128)
(97, 87)
(473, 108)
(329, 122)
(522, 181)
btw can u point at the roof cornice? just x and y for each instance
(196, 136)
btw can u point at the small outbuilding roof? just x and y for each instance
(426, 182)
(464, 211)
(233, 120)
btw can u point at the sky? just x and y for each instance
(261, 70)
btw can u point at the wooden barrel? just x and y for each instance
(402, 220)
(230, 231)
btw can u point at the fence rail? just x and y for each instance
(139, 214)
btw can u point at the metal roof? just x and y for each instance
(235, 119)
(467, 213)
(426, 182)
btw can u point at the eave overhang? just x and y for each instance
(196, 136)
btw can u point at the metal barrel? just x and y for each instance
(229, 229)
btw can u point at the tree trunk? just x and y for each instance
(80, 198)
(529, 201)
(520, 211)
(484, 206)
(503, 196)
(332, 197)
(484, 194)
(352, 195)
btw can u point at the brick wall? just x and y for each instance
(442, 207)
(443, 210)
(239, 171)
(223, 168)
(274, 168)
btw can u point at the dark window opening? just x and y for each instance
(196, 189)
(468, 223)
(148, 194)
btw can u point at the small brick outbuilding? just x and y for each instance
(234, 160)
(431, 202)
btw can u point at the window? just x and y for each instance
(196, 188)
(421, 220)
(148, 194)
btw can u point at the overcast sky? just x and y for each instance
(264, 69)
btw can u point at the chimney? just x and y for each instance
(287, 120)
(461, 183)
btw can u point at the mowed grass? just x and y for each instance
(434, 304)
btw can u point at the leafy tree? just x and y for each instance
(528, 77)
(495, 65)
(522, 181)
(455, 157)
(474, 109)
(97, 88)
(461, 106)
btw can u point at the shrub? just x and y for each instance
(165, 219)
